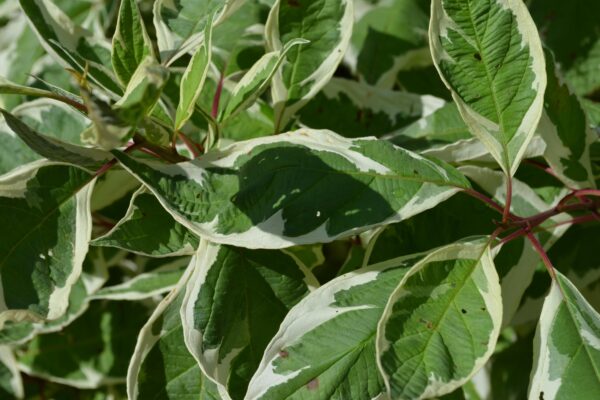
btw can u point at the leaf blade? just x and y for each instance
(506, 62)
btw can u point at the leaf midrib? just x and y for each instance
(500, 116)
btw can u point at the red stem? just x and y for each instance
(542, 253)
(514, 235)
(485, 199)
(506, 214)
(108, 165)
(217, 98)
(194, 147)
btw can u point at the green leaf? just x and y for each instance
(234, 303)
(162, 366)
(130, 43)
(259, 193)
(47, 207)
(71, 45)
(180, 25)
(148, 229)
(566, 346)
(489, 55)
(94, 350)
(364, 110)
(145, 285)
(54, 149)
(441, 324)
(11, 385)
(193, 79)
(327, 25)
(256, 80)
(565, 130)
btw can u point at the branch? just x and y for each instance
(506, 216)
(542, 253)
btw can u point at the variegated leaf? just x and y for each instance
(19, 51)
(442, 126)
(327, 25)
(365, 110)
(572, 35)
(566, 346)
(142, 92)
(72, 45)
(193, 79)
(11, 384)
(148, 229)
(94, 350)
(47, 207)
(390, 37)
(259, 193)
(256, 80)
(309, 256)
(161, 365)
(108, 129)
(93, 275)
(441, 323)
(147, 284)
(474, 151)
(564, 128)
(131, 43)
(326, 343)
(54, 149)
(488, 53)
(112, 186)
(234, 302)
(180, 25)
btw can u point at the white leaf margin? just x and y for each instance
(478, 250)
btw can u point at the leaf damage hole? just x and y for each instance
(462, 310)
(477, 56)
(541, 396)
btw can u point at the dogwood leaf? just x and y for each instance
(258, 193)
(490, 56)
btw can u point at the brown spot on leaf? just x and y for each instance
(283, 354)
(463, 311)
(428, 324)
(313, 384)
(293, 3)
